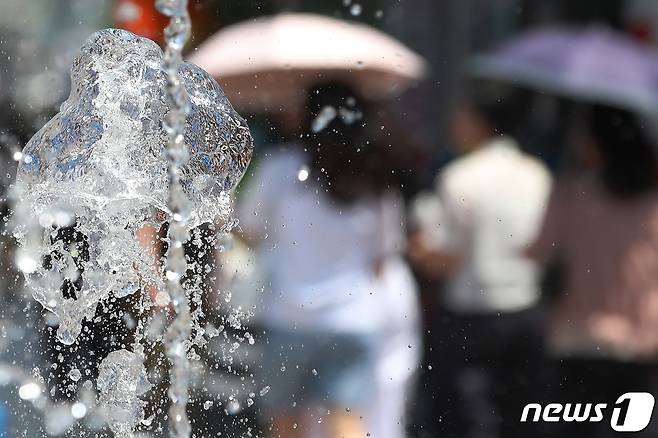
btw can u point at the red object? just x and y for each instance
(140, 17)
(641, 31)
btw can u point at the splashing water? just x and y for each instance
(100, 165)
(101, 169)
(121, 380)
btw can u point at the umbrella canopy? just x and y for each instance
(594, 64)
(270, 62)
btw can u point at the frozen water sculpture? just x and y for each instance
(97, 171)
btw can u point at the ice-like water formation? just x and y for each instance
(97, 172)
(121, 381)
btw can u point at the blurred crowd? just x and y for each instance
(409, 288)
(537, 286)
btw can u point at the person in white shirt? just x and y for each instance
(492, 202)
(340, 303)
(472, 231)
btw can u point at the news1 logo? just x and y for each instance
(630, 413)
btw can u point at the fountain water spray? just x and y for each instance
(144, 139)
(178, 334)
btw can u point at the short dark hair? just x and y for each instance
(502, 106)
(629, 165)
(338, 149)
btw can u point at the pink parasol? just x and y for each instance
(270, 62)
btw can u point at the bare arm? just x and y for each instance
(434, 263)
(148, 238)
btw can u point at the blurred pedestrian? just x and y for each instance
(472, 232)
(326, 219)
(340, 308)
(603, 227)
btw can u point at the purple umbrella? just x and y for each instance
(594, 64)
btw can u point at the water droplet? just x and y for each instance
(75, 374)
(29, 391)
(26, 263)
(162, 299)
(302, 173)
(326, 115)
(127, 11)
(171, 7)
(78, 410)
(233, 407)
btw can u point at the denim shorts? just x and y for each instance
(328, 369)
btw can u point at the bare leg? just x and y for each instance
(288, 425)
(346, 424)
